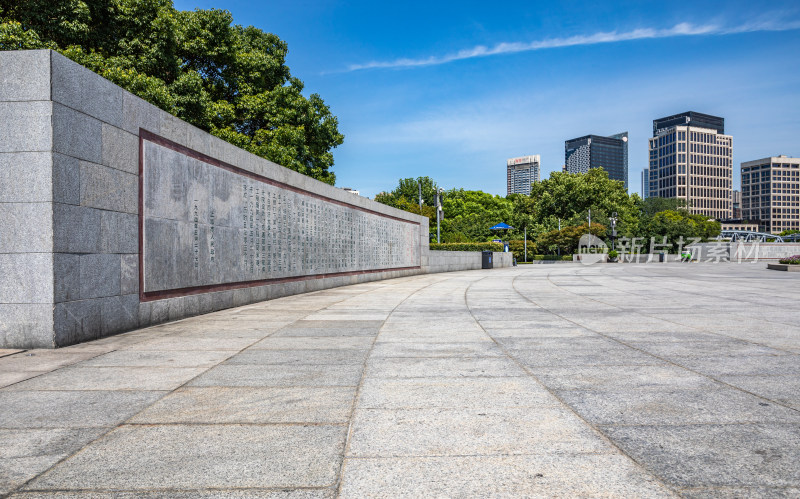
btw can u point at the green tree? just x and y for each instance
(568, 238)
(408, 188)
(571, 196)
(229, 80)
(473, 213)
(677, 226)
(652, 205)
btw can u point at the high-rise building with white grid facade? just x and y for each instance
(691, 159)
(521, 173)
(771, 193)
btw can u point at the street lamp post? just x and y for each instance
(559, 230)
(613, 220)
(438, 213)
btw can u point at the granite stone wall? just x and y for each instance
(451, 261)
(116, 215)
(744, 252)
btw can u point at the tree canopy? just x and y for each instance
(227, 79)
(468, 215)
(569, 197)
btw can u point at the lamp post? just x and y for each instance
(525, 243)
(613, 220)
(559, 230)
(438, 213)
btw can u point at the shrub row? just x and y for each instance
(467, 247)
(566, 258)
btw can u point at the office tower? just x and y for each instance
(736, 204)
(521, 173)
(595, 151)
(771, 193)
(691, 159)
(646, 183)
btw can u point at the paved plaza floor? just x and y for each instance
(537, 381)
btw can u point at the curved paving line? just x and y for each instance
(663, 359)
(337, 486)
(644, 470)
(169, 392)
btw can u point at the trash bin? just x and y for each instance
(486, 259)
(662, 257)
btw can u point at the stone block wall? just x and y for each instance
(743, 252)
(73, 149)
(451, 261)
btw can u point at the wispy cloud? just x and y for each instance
(682, 29)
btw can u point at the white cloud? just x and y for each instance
(681, 29)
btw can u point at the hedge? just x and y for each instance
(547, 258)
(518, 248)
(566, 258)
(467, 247)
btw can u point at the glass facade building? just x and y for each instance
(595, 151)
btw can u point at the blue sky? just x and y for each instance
(453, 89)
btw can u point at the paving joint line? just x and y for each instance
(664, 359)
(357, 396)
(567, 406)
(168, 392)
(661, 318)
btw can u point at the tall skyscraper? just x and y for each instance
(521, 173)
(771, 193)
(595, 151)
(691, 159)
(646, 183)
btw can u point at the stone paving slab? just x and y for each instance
(474, 392)
(194, 343)
(216, 493)
(705, 348)
(71, 409)
(8, 378)
(42, 360)
(281, 375)
(111, 378)
(215, 405)
(202, 456)
(421, 367)
(316, 342)
(537, 381)
(671, 406)
(782, 389)
(460, 432)
(312, 356)
(716, 455)
(27, 453)
(155, 358)
(571, 475)
(622, 377)
(422, 349)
